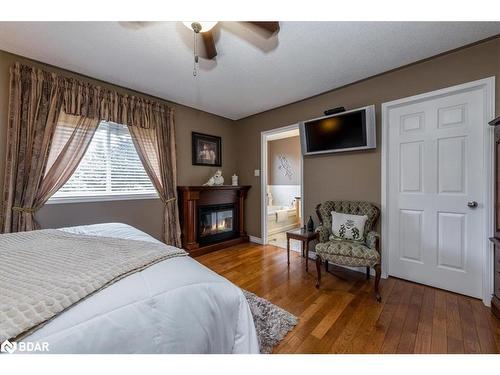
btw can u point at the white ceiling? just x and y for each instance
(251, 74)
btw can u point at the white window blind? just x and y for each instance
(110, 167)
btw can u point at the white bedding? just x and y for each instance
(174, 306)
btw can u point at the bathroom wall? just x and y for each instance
(283, 170)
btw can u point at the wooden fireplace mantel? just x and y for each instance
(191, 198)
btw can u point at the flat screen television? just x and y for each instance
(346, 131)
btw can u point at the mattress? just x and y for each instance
(174, 306)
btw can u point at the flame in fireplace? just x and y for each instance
(218, 222)
(222, 225)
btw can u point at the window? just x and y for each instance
(110, 170)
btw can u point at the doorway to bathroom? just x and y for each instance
(282, 185)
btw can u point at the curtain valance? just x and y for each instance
(83, 98)
(42, 154)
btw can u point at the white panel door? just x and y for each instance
(435, 177)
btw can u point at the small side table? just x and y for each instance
(305, 237)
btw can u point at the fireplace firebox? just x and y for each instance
(211, 217)
(216, 223)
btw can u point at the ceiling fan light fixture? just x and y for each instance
(200, 26)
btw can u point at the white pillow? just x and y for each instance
(348, 227)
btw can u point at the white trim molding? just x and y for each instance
(254, 239)
(488, 87)
(266, 136)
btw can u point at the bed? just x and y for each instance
(174, 306)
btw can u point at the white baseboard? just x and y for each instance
(255, 239)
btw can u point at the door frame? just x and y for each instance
(263, 177)
(487, 85)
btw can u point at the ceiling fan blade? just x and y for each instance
(270, 26)
(208, 40)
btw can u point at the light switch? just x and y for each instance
(256, 172)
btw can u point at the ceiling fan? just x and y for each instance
(204, 29)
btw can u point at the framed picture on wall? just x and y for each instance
(207, 149)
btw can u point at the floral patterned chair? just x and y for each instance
(345, 252)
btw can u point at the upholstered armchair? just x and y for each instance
(346, 252)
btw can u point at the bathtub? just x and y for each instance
(282, 218)
(274, 209)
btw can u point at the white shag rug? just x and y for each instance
(272, 323)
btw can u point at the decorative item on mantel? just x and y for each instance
(215, 180)
(234, 180)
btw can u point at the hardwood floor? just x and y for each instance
(344, 317)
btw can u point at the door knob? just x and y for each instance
(472, 204)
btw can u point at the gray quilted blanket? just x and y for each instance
(45, 272)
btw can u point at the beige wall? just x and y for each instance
(289, 148)
(144, 214)
(341, 176)
(356, 175)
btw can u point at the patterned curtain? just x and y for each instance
(52, 120)
(157, 151)
(35, 169)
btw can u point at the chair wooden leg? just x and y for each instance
(377, 282)
(318, 270)
(326, 266)
(367, 273)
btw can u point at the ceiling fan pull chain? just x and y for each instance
(195, 51)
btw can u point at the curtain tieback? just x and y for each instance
(170, 200)
(24, 209)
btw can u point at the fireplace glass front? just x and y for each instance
(216, 223)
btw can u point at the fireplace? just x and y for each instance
(212, 217)
(216, 223)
